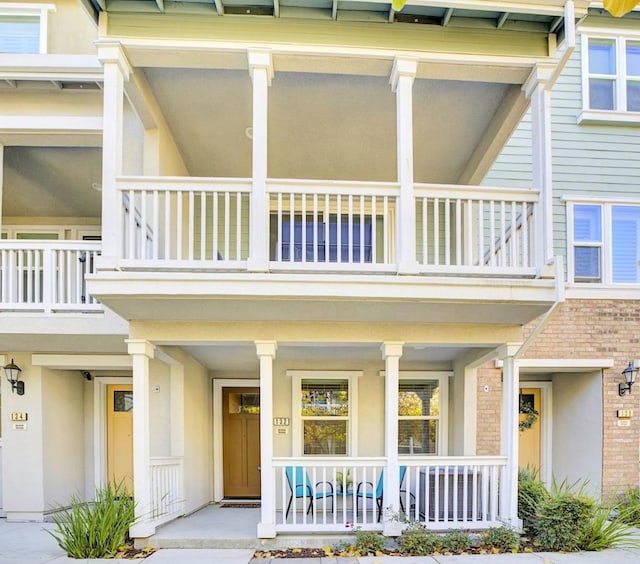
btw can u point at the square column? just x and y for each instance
(402, 77)
(267, 527)
(391, 353)
(141, 351)
(116, 72)
(510, 438)
(261, 69)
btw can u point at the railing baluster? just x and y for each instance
(315, 227)
(385, 229)
(362, 245)
(338, 229)
(215, 227)
(458, 220)
(292, 219)
(468, 259)
(238, 226)
(503, 234)
(374, 230)
(303, 212)
(203, 226)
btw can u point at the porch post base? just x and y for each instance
(392, 529)
(266, 531)
(513, 522)
(142, 530)
(257, 265)
(408, 267)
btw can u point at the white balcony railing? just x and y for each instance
(354, 227)
(167, 491)
(340, 494)
(478, 230)
(47, 276)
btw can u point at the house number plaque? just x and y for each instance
(18, 416)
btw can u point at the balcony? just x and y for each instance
(326, 227)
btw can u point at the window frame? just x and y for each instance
(297, 419)
(40, 11)
(619, 114)
(606, 245)
(443, 418)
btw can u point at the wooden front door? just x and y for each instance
(241, 442)
(120, 434)
(529, 447)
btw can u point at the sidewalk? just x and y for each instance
(27, 543)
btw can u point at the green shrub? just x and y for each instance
(531, 492)
(418, 541)
(369, 542)
(561, 519)
(455, 541)
(95, 529)
(502, 539)
(628, 508)
(601, 533)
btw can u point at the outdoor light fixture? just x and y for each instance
(13, 371)
(629, 373)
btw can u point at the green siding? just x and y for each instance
(588, 160)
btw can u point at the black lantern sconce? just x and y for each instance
(12, 372)
(629, 374)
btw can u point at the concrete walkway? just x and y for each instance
(27, 543)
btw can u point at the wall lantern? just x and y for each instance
(13, 371)
(629, 374)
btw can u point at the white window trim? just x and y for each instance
(606, 249)
(39, 10)
(443, 383)
(616, 116)
(296, 397)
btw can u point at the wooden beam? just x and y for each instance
(11, 83)
(502, 19)
(334, 10)
(447, 16)
(276, 9)
(219, 7)
(160, 4)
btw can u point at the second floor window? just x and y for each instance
(23, 27)
(605, 243)
(612, 74)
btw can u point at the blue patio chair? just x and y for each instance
(378, 493)
(304, 488)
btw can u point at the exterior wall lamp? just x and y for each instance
(13, 371)
(629, 374)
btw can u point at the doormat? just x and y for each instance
(241, 505)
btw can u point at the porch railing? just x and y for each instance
(46, 276)
(205, 224)
(167, 492)
(340, 494)
(488, 231)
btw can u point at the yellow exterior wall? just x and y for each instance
(71, 30)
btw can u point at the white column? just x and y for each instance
(510, 437)
(1, 183)
(116, 72)
(391, 353)
(402, 77)
(141, 351)
(267, 527)
(261, 69)
(537, 90)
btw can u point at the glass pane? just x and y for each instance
(122, 400)
(587, 223)
(601, 94)
(633, 58)
(325, 437)
(587, 263)
(19, 34)
(626, 246)
(418, 397)
(325, 398)
(633, 96)
(602, 56)
(418, 437)
(244, 403)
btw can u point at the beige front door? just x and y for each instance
(241, 442)
(529, 448)
(120, 434)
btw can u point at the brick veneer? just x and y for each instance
(583, 329)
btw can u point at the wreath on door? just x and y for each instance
(531, 415)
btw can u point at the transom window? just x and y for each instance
(323, 409)
(23, 27)
(604, 243)
(422, 401)
(612, 74)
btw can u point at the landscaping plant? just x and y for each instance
(601, 533)
(531, 492)
(628, 508)
(456, 542)
(95, 529)
(369, 542)
(418, 541)
(501, 539)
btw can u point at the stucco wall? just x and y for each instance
(159, 409)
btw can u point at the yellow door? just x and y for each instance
(241, 442)
(529, 448)
(120, 434)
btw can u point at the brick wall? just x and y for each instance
(489, 411)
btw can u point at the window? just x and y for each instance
(605, 243)
(23, 28)
(323, 412)
(612, 74)
(422, 402)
